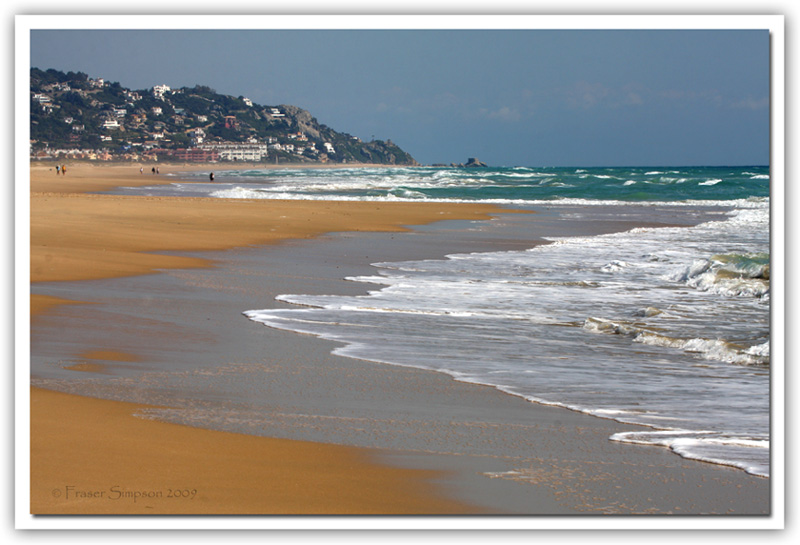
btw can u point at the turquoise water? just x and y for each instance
(510, 185)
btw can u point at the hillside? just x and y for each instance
(71, 112)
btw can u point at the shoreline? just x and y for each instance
(85, 177)
(486, 398)
(66, 217)
(66, 223)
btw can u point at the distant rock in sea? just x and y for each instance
(475, 162)
(471, 162)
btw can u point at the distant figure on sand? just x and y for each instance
(211, 177)
(141, 170)
(154, 170)
(58, 170)
(63, 169)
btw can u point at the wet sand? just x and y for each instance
(91, 456)
(487, 451)
(77, 236)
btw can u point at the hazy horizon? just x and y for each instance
(508, 97)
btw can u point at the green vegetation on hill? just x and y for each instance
(72, 111)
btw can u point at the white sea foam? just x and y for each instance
(712, 349)
(651, 341)
(614, 266)
(250, 193)
(642, 327)
(747, 454)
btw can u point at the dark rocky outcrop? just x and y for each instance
(475, 162)
(472, 162)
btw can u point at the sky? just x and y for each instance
(507, 97)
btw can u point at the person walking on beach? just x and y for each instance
(58, 170)
(141, 170)
(211, 177)
(64, 169)
(154, 171)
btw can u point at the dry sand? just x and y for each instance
(80, 236)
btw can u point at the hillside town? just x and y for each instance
(77, 117)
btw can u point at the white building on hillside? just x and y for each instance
(159, 90)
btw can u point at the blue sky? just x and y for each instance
(508, 97)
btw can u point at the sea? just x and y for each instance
(664, 327)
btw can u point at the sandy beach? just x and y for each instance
(408, 441)
(93, 457)
(81, 236)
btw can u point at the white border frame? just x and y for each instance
(24, 24)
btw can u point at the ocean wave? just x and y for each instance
(614, 266)
(502, 187)
(240, 192)
(650, 341)
(711, 349)
(648, 312)
(705, 446)
(744, 275)
(526, 174)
